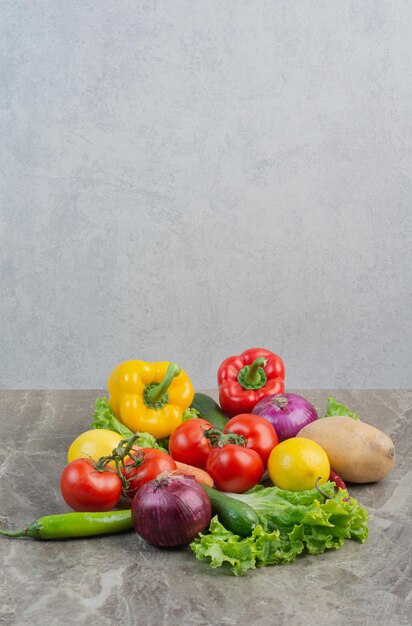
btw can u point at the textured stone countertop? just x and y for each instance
(121, 579)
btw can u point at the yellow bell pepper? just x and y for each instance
(150, 397)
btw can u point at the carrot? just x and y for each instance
(200, 475)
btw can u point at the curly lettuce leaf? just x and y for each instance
(104, 417)
(261, 548)
(281, 509)
(190, 414)
(146, 440)
(291, 523)
(337, 408)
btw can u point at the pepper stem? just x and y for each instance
(13, 533)
(322, 493)
(155, 392)
(253, 376)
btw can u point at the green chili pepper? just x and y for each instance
(70, 525)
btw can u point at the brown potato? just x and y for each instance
(358, 452)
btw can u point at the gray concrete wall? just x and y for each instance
(184, 179)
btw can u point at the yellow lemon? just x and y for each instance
(297, 463)
(93, 444)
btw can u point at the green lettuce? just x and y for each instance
(261, 548)
(190, 414)
(104, 417)
(291, 523)
(336, 408)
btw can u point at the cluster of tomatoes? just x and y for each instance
(235, 459)
(232, 460)
(98, 483)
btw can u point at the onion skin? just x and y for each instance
(171, 511)
(287, 412)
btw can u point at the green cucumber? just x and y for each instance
(234, 515)
(209, 410)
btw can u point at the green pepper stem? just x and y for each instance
(155, 394)
(253, 376)
(322, 493)
(13, 533)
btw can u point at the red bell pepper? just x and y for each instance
(244, 380)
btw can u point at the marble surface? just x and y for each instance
(121, 579)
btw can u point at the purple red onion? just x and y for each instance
(287, 412)
(171, 510)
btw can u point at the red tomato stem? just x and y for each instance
(217, 439)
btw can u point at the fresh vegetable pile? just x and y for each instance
(255, 481)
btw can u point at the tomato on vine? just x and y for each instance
(258, 433)
(85, 488)
(234, 467)
(188, 443)
(145, 465)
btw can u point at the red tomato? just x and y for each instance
(187, 443)
(155, 462)
(234, 468)
(86, 489)
(259, 433)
